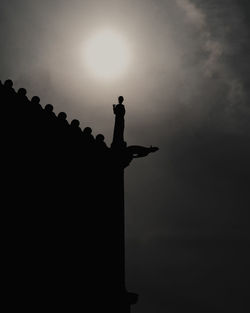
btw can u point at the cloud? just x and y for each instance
(196, 16)
(222, 58)
(212, 47)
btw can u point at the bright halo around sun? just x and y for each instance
(107, 54)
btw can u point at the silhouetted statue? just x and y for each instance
(35, 101)
(75, 136)
(87, 136)
(62, 116)
(123, 153)
(22, 98)
(22, 93)
(75, 128)
(22, 107)
(9, 92)
(101, 145)
(75, 124)
(50, 120)
(49, 114)
(63, 126)
(62, 120)
(35, 105)
(49, 109)
(8, 85)
(119, 111)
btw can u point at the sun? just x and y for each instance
(107, 54)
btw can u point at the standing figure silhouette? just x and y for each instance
(119, 111)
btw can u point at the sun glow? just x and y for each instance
(107, 54)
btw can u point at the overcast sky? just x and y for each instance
(187, 91)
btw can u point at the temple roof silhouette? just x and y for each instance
(62, 193)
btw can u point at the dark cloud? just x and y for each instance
(187, 207)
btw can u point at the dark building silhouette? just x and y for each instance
(63, 212)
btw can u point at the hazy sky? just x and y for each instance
(187, 91)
